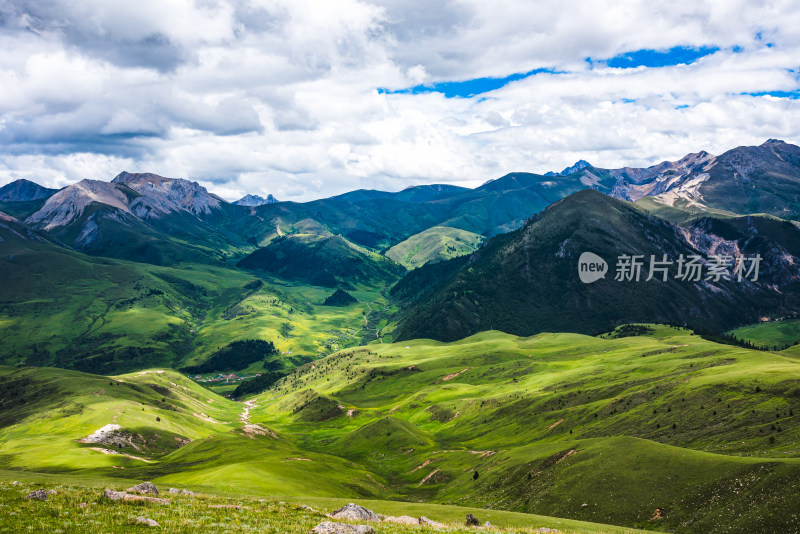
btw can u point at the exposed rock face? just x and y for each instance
(69, 204)
(160, 195)
(144, 487)
(355, 512)
(255, 200)
(328, 527)
(40, 495)
(633, 184)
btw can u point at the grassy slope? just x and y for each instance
(80, 509)
(223, 461)
(770, 334)
(126, 315)
(434, 244)
(524, 404)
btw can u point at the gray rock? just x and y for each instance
(327, 527)
(144, 487)
(355, 512)
(181, 492)
(147, 521)
(123, 496)
(403, 520)
(40, 495)
(488, 525)
(114, 495)
(430, 522)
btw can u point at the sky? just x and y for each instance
(307, 99)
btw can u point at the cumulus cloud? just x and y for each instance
(282, 96)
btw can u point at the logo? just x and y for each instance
(591, 267)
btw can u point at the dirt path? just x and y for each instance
(248, 405)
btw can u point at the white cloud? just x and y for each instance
(280, 96)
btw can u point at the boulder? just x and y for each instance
(123, 496)
(488, 525)
(355, 512)
(403, 520)
(147, 521)
(144, 487)
(430, 522)
(40, 495)
(114, 495)
(327, 527)
(180, 492)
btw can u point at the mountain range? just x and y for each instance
(501, 256)
(317, 313)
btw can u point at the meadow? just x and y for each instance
(664, 431)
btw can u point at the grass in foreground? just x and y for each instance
(81, 509)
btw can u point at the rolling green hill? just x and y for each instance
(117, 316)
(434, 245)
(605, 430)
(663, 431)
(322, 260)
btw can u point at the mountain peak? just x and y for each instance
(138, 177)
(255, 200)
(22, 190)
(578, 166)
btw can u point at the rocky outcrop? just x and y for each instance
(255, 201)
(69, 204)
(328, 527)
(355, 512)
(144, 487)
(181, 492)
(124, 496)
(39, 495)
(402, 520)
(430, 522)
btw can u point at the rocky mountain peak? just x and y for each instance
(255, 200)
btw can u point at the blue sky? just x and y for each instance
(309, 98)
(677, 55)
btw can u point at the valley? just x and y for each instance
(430, 351)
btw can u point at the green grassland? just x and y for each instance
(106, 316)
(599, 429)
(770, 334)
(180, 434)
(434, 244)
(556, 421)
(76, 506)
